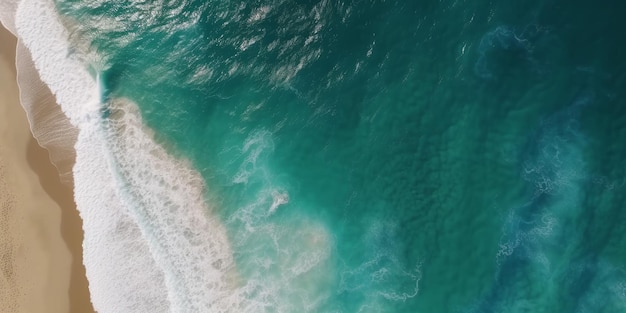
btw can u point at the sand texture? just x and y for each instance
(41, 266)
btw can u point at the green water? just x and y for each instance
(437, 156)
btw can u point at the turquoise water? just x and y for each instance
(383, 156)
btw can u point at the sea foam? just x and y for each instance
(149, 244)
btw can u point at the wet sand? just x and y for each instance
(41, 268)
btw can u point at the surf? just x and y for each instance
(137, 225)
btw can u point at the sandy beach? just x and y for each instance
(41, 268)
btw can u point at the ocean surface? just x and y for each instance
(358, 156)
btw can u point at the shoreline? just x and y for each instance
(52, 266)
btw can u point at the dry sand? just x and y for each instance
(41, 266)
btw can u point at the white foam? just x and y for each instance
(278, 198)
(149, 244)
(122, 275)
(166, 200)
